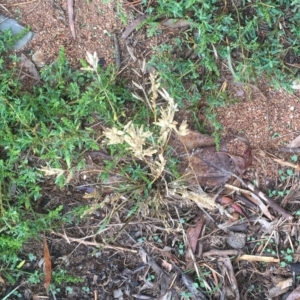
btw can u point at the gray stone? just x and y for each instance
(118, 294)
(15, 27)
(236, 240)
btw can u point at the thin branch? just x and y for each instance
(87, 243)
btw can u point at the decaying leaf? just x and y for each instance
(202, 164)
(193, 234)
(191, 141)
(227, 201)
(47, 265)
(238, 162)
(206, 167)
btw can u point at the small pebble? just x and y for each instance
(236, 240)
(118, 294)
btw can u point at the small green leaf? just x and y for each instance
(294, 158)
(283, 264)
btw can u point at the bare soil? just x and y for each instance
(143, 257)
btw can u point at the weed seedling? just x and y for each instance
(287, 256)
(294, 158)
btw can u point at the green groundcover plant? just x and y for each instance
(45, 127)
(248, 39)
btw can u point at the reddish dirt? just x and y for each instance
(95, 24)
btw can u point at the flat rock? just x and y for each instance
(236, 240)
(16, 28)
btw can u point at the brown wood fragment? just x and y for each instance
(222, 252)
(269, 201)
(132, 26)
(259, 258)
(289, 150)
(71, 17)
(117, 51)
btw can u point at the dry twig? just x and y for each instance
(21, 3)
(258, 258)
(87, 243)
(222, 252)
(71, 17)
(255, 193)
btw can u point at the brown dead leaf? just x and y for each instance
(192, 141)
(193, 234)
(206, 167)
(202, 164)
(47, 265)
(238, 162)
(227, 201)
(248, 157)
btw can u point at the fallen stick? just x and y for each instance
(254, 192)
(71, 17)
(287, 164)
(117, 51)
(258, 258)
(87, 243)
(269, 201)
(222, 252)
(289, 150)
(254, 198)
